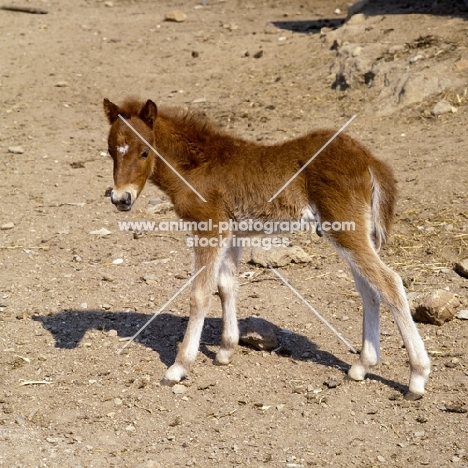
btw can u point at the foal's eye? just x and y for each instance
(145, 153)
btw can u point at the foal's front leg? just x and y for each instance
(227, 287)
(200, 298)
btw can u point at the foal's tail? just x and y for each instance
(383, 200)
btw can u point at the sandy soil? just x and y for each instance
(264, 70)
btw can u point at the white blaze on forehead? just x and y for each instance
(123, 150)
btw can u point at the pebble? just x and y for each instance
(462, 64)
(112, 333)
(7, 226)
(443, 107)
(101, 232)
(108, 278)
(109, 4)
(179, 389)
(150, 279)
(176, 15)
(117, 401)
(16, 149)
(61, 84)
(331, 382)
(461, 267)
(462, 315)
(117, 261)
(381, 459)
(130, 428)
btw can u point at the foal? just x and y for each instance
(237, 179)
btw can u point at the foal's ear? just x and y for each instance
(112, 111)
(148, 113)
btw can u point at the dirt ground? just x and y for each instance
(267, 71)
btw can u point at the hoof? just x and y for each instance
(174, 375)
(223, 357)
(357, 372)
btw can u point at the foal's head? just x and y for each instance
(133, 158)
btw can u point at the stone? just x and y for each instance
(462, 315)
(462, 64)
(7, 226)
(179, 389)
(176, 16)
(150, 279)
(436, 307)
(108, 278)
(150, 464)
(159, 208)
(278, 256)
(61, 84)
(101, 232)
(461, 267)
(16, 149)
(258, 333)
(443, 107)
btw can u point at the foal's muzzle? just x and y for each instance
(122, 201)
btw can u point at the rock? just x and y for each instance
(7, 226)
(436, 307)
(16, 149)
(179, 389)
(108, 278)
(61, 84)
(161, 207)
(101, 232)
(443, 107)
(461, 267)
(258, 333)
(150, 464)
(462, 65)
(258, 54)
(117, 261)
(462, 315)
(112, 333)
(176, 16)
(150, 279)
(331, 382)
(278, 256)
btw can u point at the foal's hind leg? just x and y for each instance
(370, 351)
(227, 287)
(200, 298)
(379, 281)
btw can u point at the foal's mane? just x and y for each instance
(186, 121)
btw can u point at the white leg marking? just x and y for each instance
(370, 352)
(227, 287)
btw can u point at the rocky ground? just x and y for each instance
(69, 300)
